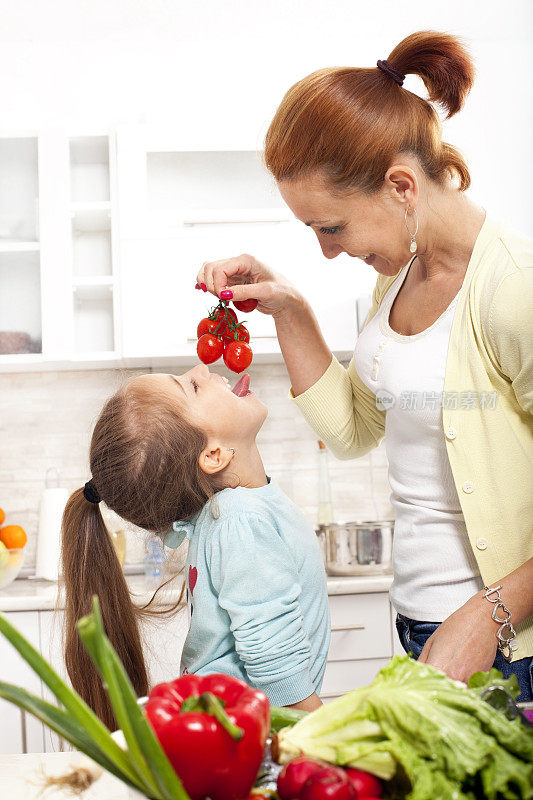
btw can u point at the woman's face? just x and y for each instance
(208, 402)
(370, 227)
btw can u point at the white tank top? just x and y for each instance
(435, 571)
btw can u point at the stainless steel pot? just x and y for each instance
(357, 548)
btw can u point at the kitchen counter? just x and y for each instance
(38, 595)
(22, 778)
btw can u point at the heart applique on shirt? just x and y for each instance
(193, 577)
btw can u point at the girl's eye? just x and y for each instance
(330, 231)
(194, 385)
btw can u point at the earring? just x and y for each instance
(413, 246)
(232, 450)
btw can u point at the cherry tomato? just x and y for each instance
(365, 784)
(240, 334)
(206, 325)
(210, 348)
(237, 356)
(245, 305)
(229, 311)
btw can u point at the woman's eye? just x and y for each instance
(330, 231)
(194, 385)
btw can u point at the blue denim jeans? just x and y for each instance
(413, 636)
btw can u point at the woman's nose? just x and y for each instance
(330, 250)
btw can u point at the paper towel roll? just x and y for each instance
(53, 503)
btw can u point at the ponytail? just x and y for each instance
(443, 64)
(91, 567)
(349, 124)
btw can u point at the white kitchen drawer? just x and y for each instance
(360, 627)
(343, 676)
(20, 732)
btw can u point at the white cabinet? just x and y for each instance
(361, 641)
(361, 644)
(58, 303)
(102, 234)
(20, 732)
(180, 206)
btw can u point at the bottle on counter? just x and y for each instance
(325, 507)
(155, 558)
(115, 526)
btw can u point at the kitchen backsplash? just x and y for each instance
(46, 420)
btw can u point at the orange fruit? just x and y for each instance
(13, 536)
(2, 516)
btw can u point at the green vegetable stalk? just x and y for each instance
(414, 723)
(144, 764)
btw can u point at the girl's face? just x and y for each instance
(367, 227)
(208, 402)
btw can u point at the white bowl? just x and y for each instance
(11, 562)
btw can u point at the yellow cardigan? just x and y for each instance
(487, 417)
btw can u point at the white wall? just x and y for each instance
(207, 62)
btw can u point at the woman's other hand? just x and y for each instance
(465, 642)
(247, 277)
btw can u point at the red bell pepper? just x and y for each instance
(213, 729)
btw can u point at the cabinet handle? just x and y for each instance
(234, 220)
(347, 628)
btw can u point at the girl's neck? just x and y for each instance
(248, 466)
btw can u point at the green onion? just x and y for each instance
(146, 751)
(62, 723)
(79, 710)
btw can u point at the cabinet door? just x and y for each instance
(51, 627)
(163, 640)
(361, 641)
(20, 732)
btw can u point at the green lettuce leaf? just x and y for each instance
(482, 680)
(413, 723)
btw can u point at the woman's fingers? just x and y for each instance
(243, 269)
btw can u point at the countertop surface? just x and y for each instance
(21, 778)
(39, 595)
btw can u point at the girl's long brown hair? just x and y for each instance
(349, 124)
(144, 464)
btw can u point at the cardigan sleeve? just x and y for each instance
(511, 332)
(339, 406)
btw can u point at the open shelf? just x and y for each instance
(89, 168)
(19, 207)
(91, 216)
(20, 303)
(89, 288)
(15, 246)
(93, 321)
(91, 253)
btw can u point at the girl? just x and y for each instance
(177, 455)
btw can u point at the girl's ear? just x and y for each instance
(214, 459)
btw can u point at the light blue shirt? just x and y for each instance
(257, 594)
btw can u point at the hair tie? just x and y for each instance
(389, 70)
(91, 493)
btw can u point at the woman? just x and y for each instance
(443, 368)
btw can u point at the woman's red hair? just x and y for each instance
(350, 123)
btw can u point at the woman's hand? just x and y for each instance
(247, 278)
(465, 643)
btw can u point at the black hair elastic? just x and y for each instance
(90, 492)
(389, 70)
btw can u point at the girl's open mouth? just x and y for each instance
(242, 387)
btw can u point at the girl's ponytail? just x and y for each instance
(91, 567)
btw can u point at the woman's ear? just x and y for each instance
(214, 459)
